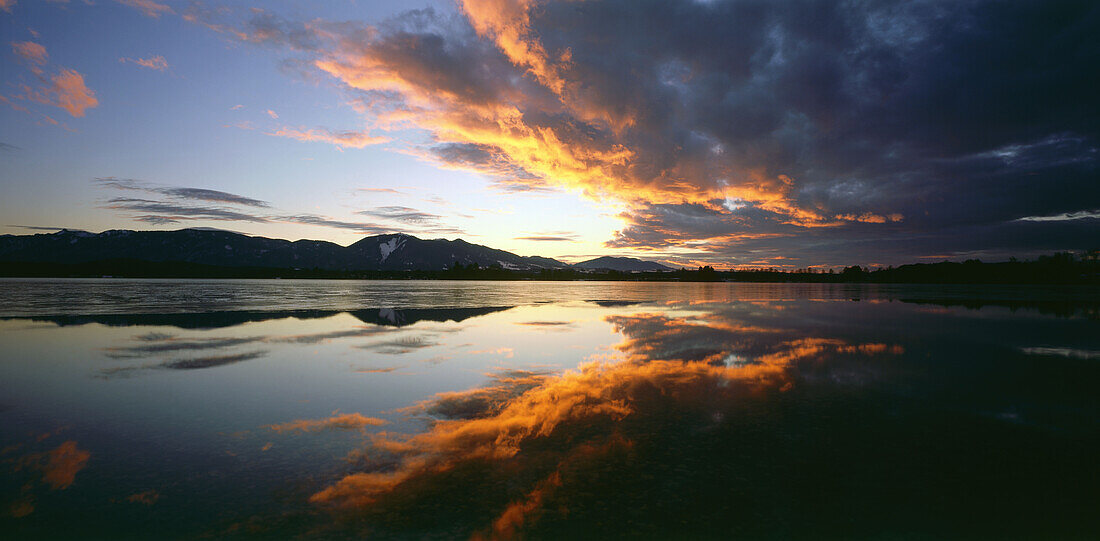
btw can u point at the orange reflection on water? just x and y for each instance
(346, 421)
(58, 468)
(542, 431)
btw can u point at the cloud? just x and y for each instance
(313, 219)
(380, 190)
(342, 139)
(6, 5)
(157, 63)
(156, 220)
(272, 114)
(347, 421)
(405, 215)
(867, 124)
(69, 92)
(1081, 215)
(166, 212)
(196, 194)
(236, 107)
(175, 209)
(548, 239)
(38, 227)
(487, 160)
(149, 8)
(201, 194)
(65, 89)
(30, 51)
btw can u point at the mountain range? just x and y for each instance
(391, 252)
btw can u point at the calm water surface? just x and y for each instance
(181, 409)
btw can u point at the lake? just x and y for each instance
(241, 409)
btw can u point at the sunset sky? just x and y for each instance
(736, 133)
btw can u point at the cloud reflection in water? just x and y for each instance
(530, 451)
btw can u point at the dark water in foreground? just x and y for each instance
(144, 409)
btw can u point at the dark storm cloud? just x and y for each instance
(876, 131)
(953, 116)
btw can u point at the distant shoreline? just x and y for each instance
(1057, 269)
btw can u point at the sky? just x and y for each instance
(730, 133)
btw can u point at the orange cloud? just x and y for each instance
(496, 96)
(347, 421)
(342, 139)
(518, 134)
(30, 51)
(147, 7)
(6, 5)
(65, 90)
(154, 63)
(871, 218)
(508, 23)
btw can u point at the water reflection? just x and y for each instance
(213, 320)
(530, 444)
(698, 418)
(53, 469)
(347, 421)
(710, 426)
(380, 324)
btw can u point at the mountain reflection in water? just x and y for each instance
(788, 418)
